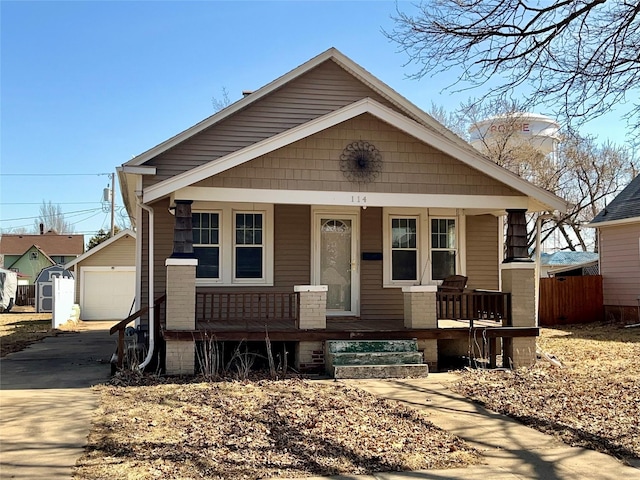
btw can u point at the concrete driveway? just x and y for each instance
(46, 401)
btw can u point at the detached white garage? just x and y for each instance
(106, 278)
(106, 293)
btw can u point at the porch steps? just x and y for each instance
(374, 359)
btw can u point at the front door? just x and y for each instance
(336, 261)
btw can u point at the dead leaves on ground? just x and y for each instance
(593, 401)
(260, 430)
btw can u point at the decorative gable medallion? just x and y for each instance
(361, 162)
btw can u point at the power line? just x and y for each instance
(40, 203)
(52, 174)
(77, 212)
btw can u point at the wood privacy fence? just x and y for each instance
(570, 300)
(26, 295)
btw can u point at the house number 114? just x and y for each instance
(358, 199)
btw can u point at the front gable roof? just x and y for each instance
(32, 248)
(622, 209)
(331, 54)
(398, 112)
(101, 246)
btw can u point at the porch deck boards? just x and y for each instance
(348, 329)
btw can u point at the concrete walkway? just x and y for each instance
(511, 451)
(46, 401)
(46, 407)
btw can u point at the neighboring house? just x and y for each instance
(568, 263)
(30, 264)
(60, 248)
(106, 278)
(324, 206)
(618, 227)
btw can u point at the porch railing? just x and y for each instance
(158, 315)
(474, 305)
(242, 308)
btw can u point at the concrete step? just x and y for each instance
(375, 358)
(362, 346)
(381, 371)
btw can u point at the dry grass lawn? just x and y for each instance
(17, 330)
(260, 429)
(593, 401)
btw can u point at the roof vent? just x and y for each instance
(246, 93)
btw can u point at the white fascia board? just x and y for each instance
(99, 247)
(367, 105)
(355, 199)
(613, 223)
(136, 170)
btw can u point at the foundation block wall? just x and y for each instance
(310, 357)
(180, 357)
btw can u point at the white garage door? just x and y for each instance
(107, 294)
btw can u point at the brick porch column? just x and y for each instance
(313, 306)
(312, 315)
(181, 314)
(519, 279)
(420, 313)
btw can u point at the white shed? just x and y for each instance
(44, 286)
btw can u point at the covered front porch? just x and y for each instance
(473, 324)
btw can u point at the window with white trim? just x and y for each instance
(404, 249)
(443, 248)
(206, 244)
(233, 243)
(248, 246)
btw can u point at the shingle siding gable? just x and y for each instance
(322, 90)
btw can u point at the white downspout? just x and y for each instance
(152, 339)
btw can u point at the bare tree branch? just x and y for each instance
(579, 57)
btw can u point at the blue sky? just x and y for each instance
(87, 85)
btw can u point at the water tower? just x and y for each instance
(540, 131)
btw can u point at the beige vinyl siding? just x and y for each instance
(122, 253)
(376, 303)
(320, 91)
(408, 166)
(292, 253)
(482, 252)
(620, 264)
(163, 247)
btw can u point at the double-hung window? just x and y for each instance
(404, 249)
(206, 244)
(233, 245)
(249, 246)
(443, 248)
(418, 248)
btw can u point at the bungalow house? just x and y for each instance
(326, 206)
(618, 227)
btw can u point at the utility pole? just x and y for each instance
(113, 203)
